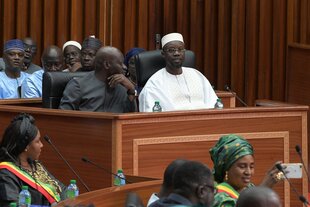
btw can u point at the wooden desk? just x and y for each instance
(227, 98)
(31, 102)
(115, 196)
(144, 144)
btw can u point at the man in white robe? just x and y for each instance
(176, 87)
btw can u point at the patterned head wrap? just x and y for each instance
(134, 51)
(226, 151)
(14, 44)
(91, 43)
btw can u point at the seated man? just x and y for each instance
(105, 89)
(12, 76)
(52, 60)
(176, 87)
(72, 55)
(192, 186)
(258, 197)
(90, 46)
(167, 186)
(30, 51)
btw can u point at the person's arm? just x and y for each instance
(29, 89)
(121, 79)
(71, 96)
(9, 189)
(270, 178)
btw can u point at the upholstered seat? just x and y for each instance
(149, 62)
(54, 83)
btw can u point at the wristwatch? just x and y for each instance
(132, 92)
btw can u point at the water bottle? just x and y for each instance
(119, 180)
(157, 107)
(24, 198)
(218, 104)
(72, 189)
(13, 204)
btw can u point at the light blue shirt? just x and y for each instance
(32, 86)
(9, 86)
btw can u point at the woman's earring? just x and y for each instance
(226, 176)
(26, 150)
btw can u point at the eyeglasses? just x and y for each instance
(212, 188)
(173, 50)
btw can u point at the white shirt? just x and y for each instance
(187, 91)
(152, 199)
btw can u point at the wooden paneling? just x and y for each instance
(241, 43)
(144, 143)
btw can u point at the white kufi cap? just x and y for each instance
(73, 43)
(171, 37)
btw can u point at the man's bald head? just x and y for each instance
(111, 59)
(52, 59)
(258, 197)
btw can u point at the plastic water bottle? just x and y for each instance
(24, 198)
(13, 204)
(72, 189)
(218, 104)
(119, 180)
(157, 107)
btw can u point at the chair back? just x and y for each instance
(54, 83)
(149, 62)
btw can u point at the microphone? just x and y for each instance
(227, 88)
(48, 140)
(300, 197)
(298, 150)
(157, 41)
(9, 155)
(85, 159)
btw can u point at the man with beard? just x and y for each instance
(89, 49)
(176, 87)
(12, 76)
(52, 61)
(30, 51)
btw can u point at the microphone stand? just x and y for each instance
(227, 88)
(300, 197)
(48, 140)
(85, 159)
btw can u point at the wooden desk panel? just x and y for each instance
(144, 143)
(115, 196)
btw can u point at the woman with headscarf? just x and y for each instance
(233, 161)
(129, 61)
(19, 166)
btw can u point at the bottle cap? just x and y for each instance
(24, 187)
(219, 99)
(13, 204)
(72, 181)
(120, 171)
(156, 102)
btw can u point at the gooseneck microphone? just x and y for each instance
(5, 150)
(48, 140)
(227, 88)
(301, 197)
(85, 159)
(298, 150)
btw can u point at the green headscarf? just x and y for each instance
(226, 151)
